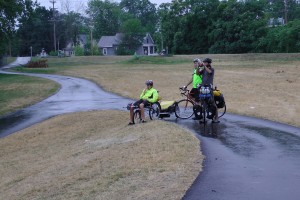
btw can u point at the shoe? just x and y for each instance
(143, 121)
(131, 123)
(215, 121)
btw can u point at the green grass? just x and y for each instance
(157, 60)
(7, 60)
(17, 91)
(57, 65)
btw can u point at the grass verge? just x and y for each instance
(95, 155)
(17, 91)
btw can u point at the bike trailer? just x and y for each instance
(167, 107)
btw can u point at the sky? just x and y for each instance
(78, 5)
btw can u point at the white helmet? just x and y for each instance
(198, 60)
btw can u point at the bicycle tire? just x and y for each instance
(154, 111)
(184, 109)
(137, 117)
(222, 111)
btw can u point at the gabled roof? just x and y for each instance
(82, 38)
(110, 41)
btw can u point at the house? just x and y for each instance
(81, 41)
(108, 45)
(276, 22)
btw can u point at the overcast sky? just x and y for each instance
(78, 5)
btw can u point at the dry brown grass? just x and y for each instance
(18, 91)
(95, 155)
(261, 85)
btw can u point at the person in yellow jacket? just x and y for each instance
(148, 95)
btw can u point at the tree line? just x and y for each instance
(182, 26)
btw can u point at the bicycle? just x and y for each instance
(185, 107)
(208, 102)
(153, 110)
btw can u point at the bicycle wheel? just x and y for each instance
(184, 109)
(154, 111)
(137, 117)
(204, 113)
(222, 111)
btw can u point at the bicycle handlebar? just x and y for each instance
(183, 90)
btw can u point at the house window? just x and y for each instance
(147, 40)
(104, 51)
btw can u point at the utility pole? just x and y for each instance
(285, 12)
(91, 29)
(54, 20)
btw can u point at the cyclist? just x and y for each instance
(208, 79)
(148, 95)
(196, 80)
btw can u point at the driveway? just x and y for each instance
(246, 158)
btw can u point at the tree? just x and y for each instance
(35, 29)
(72, 25)
(143, 10)
(105, 16)
(10, 10)
(184, 24)
(238, 27)
(133, 36)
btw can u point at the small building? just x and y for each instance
(276, 22)
(108, 45)
(69, 49)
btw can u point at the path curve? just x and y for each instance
(74, 95)
(246, 158)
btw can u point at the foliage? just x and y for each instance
(42, 63)
(133, 37)
(238, 27)
(35, 30)
(79, 51)
(143, 10)
(282, 39)
(182, 26)
(9, 11)
(104, 17)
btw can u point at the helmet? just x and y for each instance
(208, 60)
(197, 60)
(149, 82)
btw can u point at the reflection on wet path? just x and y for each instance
(75, 95)
(247, 158)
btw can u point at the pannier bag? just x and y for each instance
(220, 101)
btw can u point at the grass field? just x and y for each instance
(94, 155)
(18, 91)
(261, 85)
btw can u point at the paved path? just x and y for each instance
(246, 158)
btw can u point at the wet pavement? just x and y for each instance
(74, 95)
(246, 158)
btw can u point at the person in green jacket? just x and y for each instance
(196, 79)
(148, 95)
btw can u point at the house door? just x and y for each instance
(145, 50)
(104, 51)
